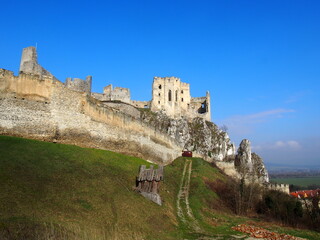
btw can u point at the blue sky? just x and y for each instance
(260, 60)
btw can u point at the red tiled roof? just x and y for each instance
(306, 193)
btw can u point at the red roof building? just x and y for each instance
(306, 194)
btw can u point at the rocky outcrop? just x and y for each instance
(204, 138)
(243, 157)
(250, 165)
(259, 168)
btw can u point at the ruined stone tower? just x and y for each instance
(173, 96)
(29, 63)
(79, 85)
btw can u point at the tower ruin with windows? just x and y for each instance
(173, 96)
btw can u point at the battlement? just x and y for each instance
(79, 85)
(279, 187)
(169, 79)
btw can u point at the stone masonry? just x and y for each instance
(173, 96)
(113, 94)
(29, 63)
(79, 85)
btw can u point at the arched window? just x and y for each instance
(176, 96)
(160, 86)
(169, 95)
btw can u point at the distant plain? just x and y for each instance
(300, 181)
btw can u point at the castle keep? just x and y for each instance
(173, 96)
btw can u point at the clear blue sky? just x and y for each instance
(260, 60)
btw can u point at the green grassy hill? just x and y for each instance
(55, 191)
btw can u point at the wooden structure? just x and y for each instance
(148, 182)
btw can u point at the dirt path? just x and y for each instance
(183, 207)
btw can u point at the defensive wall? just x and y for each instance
(39, 106)
(279, 187)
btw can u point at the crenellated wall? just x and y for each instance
(279, 187)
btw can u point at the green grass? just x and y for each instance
(303, 181)
(78, 193)
(87, 192)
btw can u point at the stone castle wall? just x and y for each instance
(113, 94)
(279, 187)
(141, 104)
(45, 109)
(124, 107)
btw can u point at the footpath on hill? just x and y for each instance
(184, 210)
(187, 217)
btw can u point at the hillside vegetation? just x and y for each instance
(55, 191)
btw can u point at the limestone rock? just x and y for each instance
(198, 135)
(259, 168)
(250, 165)
(243, 157)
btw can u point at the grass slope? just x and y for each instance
(55, 191)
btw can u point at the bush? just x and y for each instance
(281, 206)
(237, 196)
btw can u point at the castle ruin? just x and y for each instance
(173, 96)
(29, 63)
(79, 85)
(35, 104)
(169, 94)
(113, 94)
